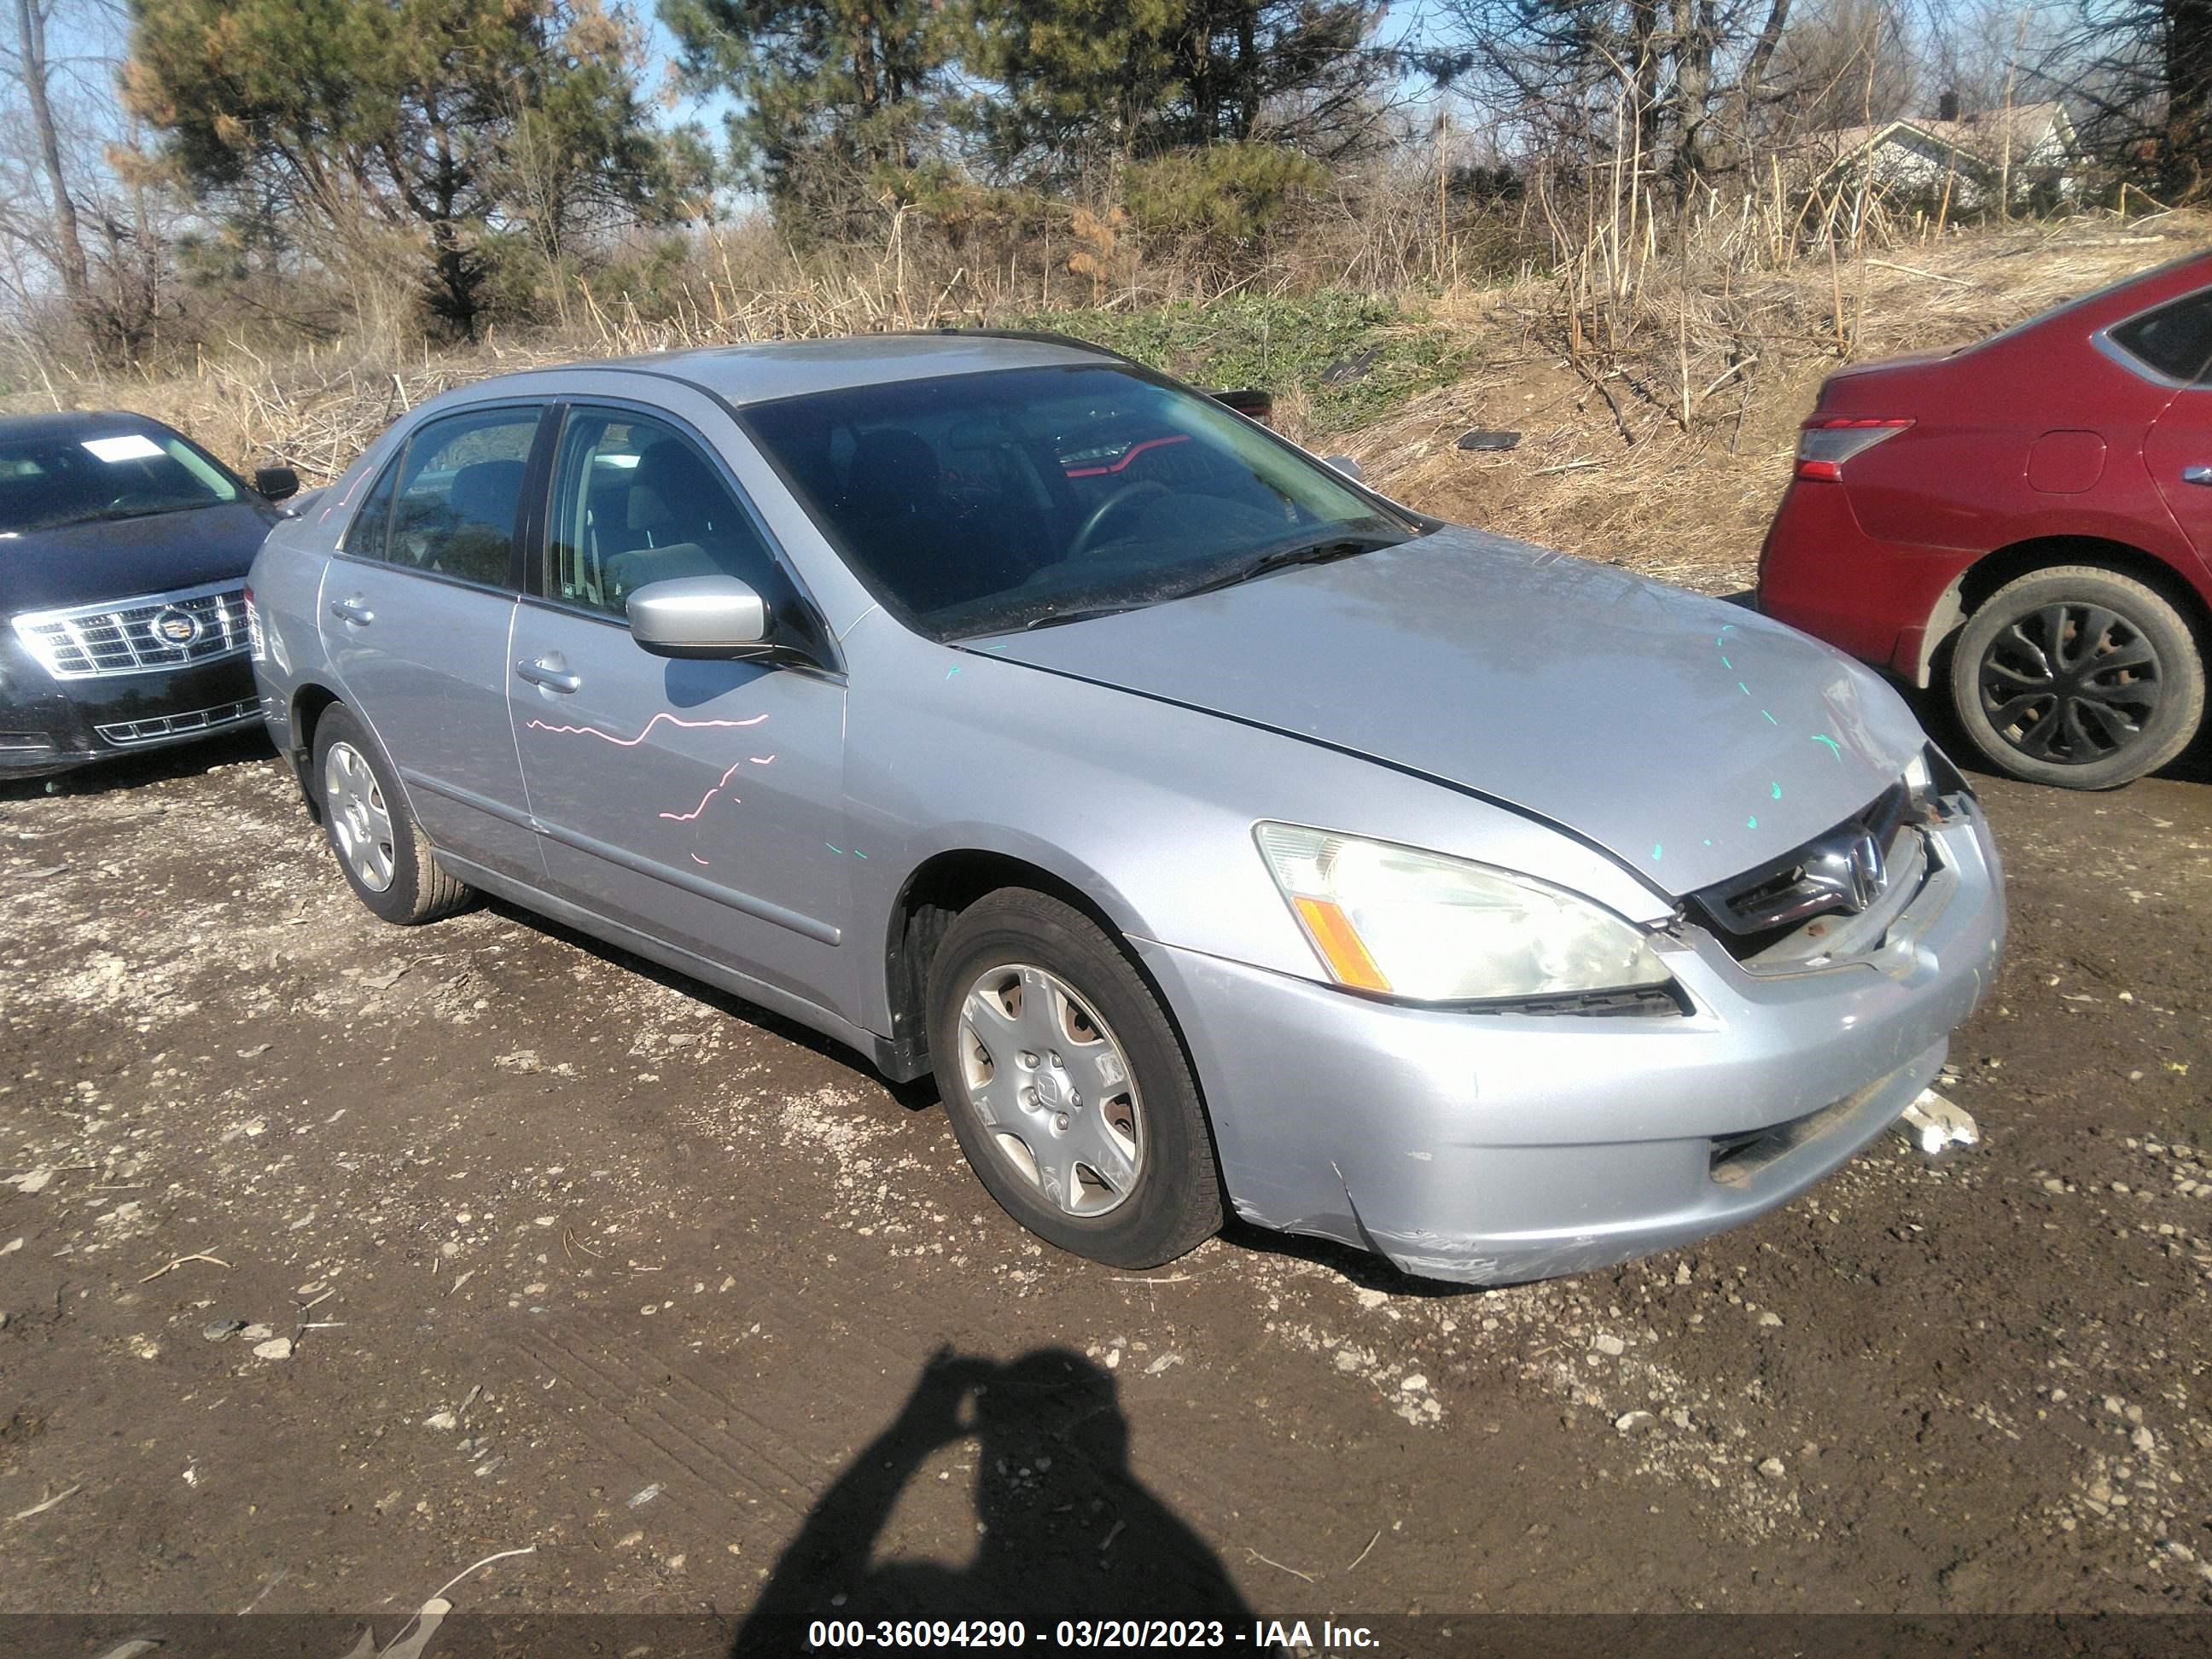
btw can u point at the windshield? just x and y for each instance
(980, 503)
(48, 482)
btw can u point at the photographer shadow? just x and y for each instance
(1067, 1531)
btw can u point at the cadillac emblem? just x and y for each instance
(177, 628)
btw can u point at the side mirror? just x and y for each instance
(1250, 402)
(276, 483)
(1346, 466)
(698, 617)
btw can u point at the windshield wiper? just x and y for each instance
(123, 514)
(1081, 613)
(1319, 552)
(1282, 558)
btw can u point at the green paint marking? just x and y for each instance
(1751, 823)
(1741, 687)
(1725, 663)
(839, 851)
(857, 853)
(951, 671)
(1777, 791)
(1834, 748)
(1656, 850)
(1709, 843)
(1770, 720)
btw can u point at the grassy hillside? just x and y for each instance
(1657, 401)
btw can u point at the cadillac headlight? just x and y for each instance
(1432, 928)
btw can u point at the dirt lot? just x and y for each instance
(558, 1252)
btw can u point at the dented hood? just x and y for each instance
(1692, 740)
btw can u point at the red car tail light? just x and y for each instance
(1826, 442)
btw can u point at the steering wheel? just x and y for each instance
(1125, 495)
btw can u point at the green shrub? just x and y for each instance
(1354, 355)
(1226, 194)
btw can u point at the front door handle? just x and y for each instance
(2197, 475)
(352, 611)
(540, 670)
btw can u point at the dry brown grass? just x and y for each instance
(1617, 462)
(1657, 377)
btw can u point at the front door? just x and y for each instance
(417, 610)
(700, 801)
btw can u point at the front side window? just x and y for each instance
(635, 501)
(46, 484)
(974, 504)
(448, 504)
(2175, 340)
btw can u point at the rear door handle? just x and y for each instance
(2197, 475)
(550, 675)
(352, 611)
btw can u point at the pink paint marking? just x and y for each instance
(686, 818)
(706, 799)
(632, 743)
(1135, 450)
(701, 862)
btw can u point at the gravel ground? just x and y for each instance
(334, 1258)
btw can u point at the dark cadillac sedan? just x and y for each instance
(123, 548)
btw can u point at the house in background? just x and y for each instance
(2026, 154)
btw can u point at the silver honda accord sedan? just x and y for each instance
(1222, 835)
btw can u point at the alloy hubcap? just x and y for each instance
(1053, 1087)
(354, 805)
(2070, 684)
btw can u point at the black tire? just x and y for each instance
(418, 891)
(1174, 1202)
(2096, 727)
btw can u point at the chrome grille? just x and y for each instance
(133, 636)
(1846, 871)
(126, 733)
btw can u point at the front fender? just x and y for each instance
(1146, 807)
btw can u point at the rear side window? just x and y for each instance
(2174, 341)
(448, 504)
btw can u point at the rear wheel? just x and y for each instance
(385, 859)
(1067, 1086)
(2077, 675)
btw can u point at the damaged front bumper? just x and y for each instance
(1500, 1147)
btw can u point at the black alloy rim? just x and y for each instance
(2070, 684)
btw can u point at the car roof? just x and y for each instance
(763, 371)
(73, 422)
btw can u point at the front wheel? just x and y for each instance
(1067, 1086)
(2079, 676)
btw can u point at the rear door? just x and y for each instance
(699, 801)
(2175, 342)
(418, 612)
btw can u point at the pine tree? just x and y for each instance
(455, 122)
(833, 94)
(1148, 76)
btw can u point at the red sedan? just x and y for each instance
(2026, 522)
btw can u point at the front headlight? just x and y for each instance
(1436, 929)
